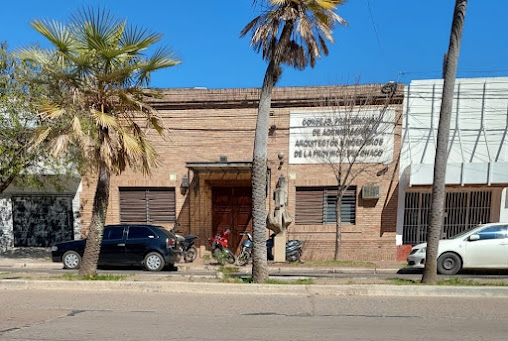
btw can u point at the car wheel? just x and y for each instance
(154, 262)
(71, 260)
(449, 263)
(190, 255)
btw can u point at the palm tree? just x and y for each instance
(97, 75)
(292, 32)
(443, 136)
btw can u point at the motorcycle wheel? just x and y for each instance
(243, 258)
(190, 255)
(294, 258)
(229, 257)
(217, 254)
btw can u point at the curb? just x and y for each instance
(258, 289)
(182, 267)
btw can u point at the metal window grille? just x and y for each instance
(463, 211)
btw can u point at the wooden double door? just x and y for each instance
(232, 209)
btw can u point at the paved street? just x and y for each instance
(112, 315)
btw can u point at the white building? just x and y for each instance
(477, 170)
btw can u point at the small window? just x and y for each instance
(317, 205)
(138, 232)
(113, 233)
(494, 232)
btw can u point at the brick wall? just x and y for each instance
(206, 124)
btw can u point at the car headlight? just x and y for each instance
(54, 248)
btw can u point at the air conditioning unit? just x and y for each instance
(370, 192)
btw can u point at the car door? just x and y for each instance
(139, 239)
(113, 245)
(490, 250)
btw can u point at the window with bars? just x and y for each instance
(463, 211)
(147, 205)
(316, 205)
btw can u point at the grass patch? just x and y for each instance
(455, 281)
(95, 277)
(248, 280)
(336, 263)
(226, 270)
(295, 281)
(402, 281)
(235, 280)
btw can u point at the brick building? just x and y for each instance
(203, 183)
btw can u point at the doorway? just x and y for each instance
(232, 209)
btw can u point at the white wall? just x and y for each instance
(478, 152)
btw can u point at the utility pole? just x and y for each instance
(443, 134)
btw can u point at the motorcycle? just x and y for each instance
(293, 249)
(186, 245)
(220, 249)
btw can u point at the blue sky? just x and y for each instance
(385, 40)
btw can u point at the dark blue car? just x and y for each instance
(147, 245)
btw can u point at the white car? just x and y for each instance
(484, 247)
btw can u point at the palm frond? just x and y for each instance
(136, 39)
(59, 145)
(57, 33)
(104, 120)
(161, 59)
(156, 123)
(50, 110)
(41, 134)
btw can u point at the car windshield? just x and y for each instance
(461, 234)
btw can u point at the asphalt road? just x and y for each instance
(113, 315)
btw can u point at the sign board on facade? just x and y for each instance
(365, 136)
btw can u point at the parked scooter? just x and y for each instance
(293, 249)
(186, 245)
(220, 249)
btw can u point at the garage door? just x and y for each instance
(42, 220)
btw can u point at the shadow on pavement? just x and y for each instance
(27, 253)
(170, 268)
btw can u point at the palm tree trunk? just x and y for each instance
(259, 164)
(260, 159)
(94, 238)
(443, 134)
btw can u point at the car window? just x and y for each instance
(136, 232)
(115, 232)
(493, 232)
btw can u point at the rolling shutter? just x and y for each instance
(309, 205)
(161, 205)
(133, 206)
(147, 205)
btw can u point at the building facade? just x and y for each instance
(203, 183)
(477, 175)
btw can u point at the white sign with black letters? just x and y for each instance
(362, 136)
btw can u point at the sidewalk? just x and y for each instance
(40, 258)
(205, 277)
